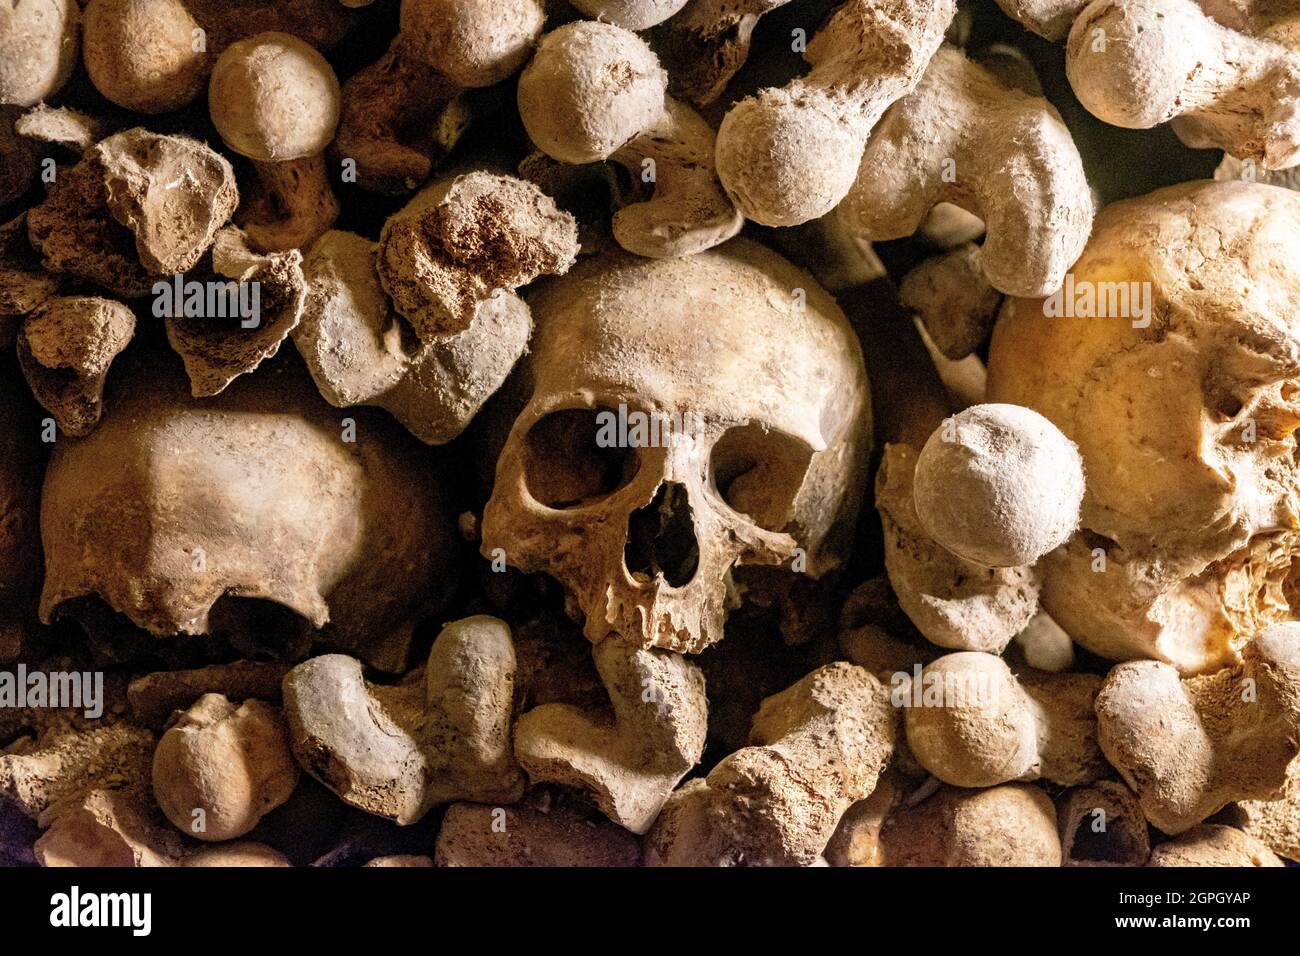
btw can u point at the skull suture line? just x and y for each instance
(250, 514)
(760, 361)
(1186, 418)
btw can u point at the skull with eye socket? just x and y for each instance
(1183, 396)
(262, 516)
(687, 417)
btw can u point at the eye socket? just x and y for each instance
(758, 472)
(565, 466)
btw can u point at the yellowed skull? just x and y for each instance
(1173, 362)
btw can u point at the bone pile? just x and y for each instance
(649, 432)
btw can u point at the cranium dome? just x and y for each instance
(251, 514)
(1186, 417)
(757, 382)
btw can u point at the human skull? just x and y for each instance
(1186, 422)
(757, 382)
(251, 515)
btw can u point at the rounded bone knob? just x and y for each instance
(999, 485)
(221, 768)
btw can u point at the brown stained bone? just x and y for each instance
(876, 634)
(401, 860)
(399, 120)
(462, 240)
(555, 665)
(1275, 822)
(62, 126)
(318, 22)
(360, 837)
(65, 762)
(21, 467)
(24, 285)
(217, 349)
(1102, 825)
(118, 828)
(156, 76)
(18, 157)
(138, 205)
(1189, 747)
(1010, 825)
(275, 100)
(815, 749)
(707, 43)
(65, 349)
(592, 192)
(153, 697)
(345, 541)
(397, 751)
(474, 834)
(172, 192)
(220, 768)
(109, 828)
(12, 635)
(857, 838)
(360, 352)
(953, 300)
(291, 206)
(404, 113)
(1213, 845)
(629, 760)
(76, 235)
(755, 662)
(167, 72)
(953, 602)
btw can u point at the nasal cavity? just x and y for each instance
(661, 538)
